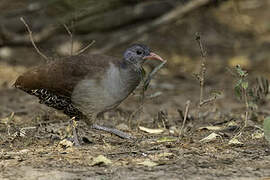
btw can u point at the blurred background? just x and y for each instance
(232, 32)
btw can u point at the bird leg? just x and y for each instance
(91, 121)
(113, 131)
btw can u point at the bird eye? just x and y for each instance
(139, 52)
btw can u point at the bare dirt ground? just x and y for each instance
(31, 145)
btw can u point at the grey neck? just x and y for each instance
(122, 80)
(133, 69)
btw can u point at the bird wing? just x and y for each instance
(61, 76)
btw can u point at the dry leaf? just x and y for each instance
(174, 130)
(232, 123)
(235, 142)
(65, 143)
(211, 128)
(210, 138)
(101, 160)
(151, 131)
(24, 151)
(165, 154)
(257, 135)
(166, 139)
(148, 163)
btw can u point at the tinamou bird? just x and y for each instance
(86, 86)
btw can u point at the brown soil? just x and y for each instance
(37, 153)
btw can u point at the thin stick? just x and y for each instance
(246, 115)
(202, 69)
(145, 85)
(247, 108)
(185, 116)
(71, 38)
(32, 40)
(133, 114)
(206, 101)
(152, 73)
(148, 79)
(85, 48)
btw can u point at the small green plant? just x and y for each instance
(241, 89)
(266, 128)
(251, 96)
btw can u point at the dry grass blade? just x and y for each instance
(185, 116)
(7, 121)
(260, 91)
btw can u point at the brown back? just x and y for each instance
(61, 76)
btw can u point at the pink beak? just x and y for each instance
(153, 56)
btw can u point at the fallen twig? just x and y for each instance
(206, 101)
(185, 116)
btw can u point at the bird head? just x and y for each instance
(137, 54)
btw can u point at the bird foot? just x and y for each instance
(113, 131)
